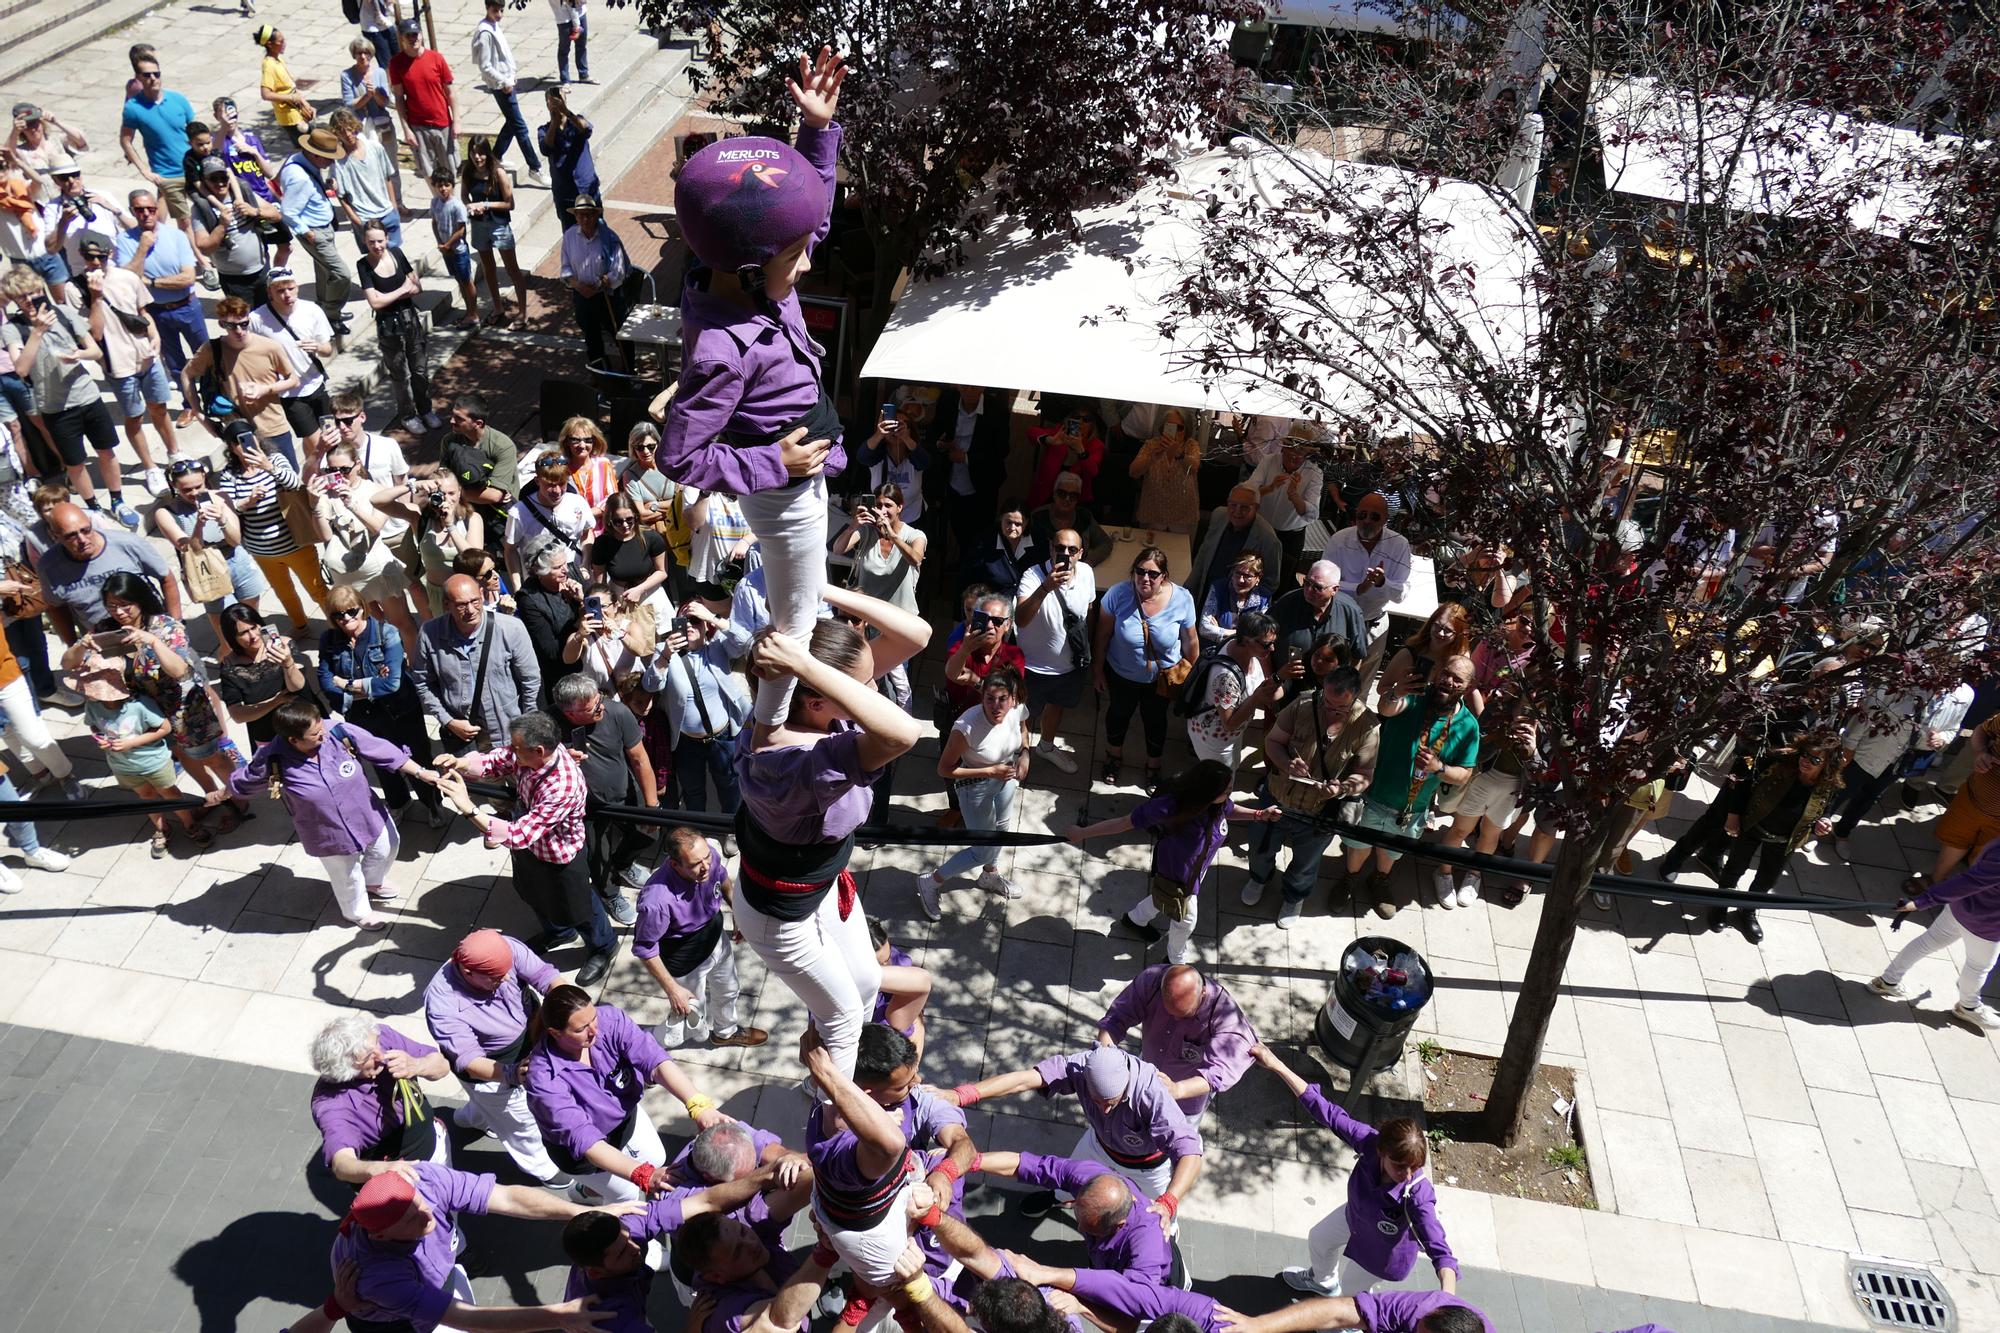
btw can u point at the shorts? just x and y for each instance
(303, 415)
(434, 148)
(488, 234)
(1063, 691)
(134, 391)
(206, 750)
(163, 778)
(1964, 825)
(1492, 794)
(70, 427)
(1381, 819)
(54, 268)
(458, 263)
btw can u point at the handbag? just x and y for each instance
(298, 508)
(1167, 681)
(1075, 641)
(205, 572)
(31, 601)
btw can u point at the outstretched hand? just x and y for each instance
(817, 89)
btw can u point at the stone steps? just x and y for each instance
(42, 31)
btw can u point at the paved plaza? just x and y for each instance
(1753, 1114)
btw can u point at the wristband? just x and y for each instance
(643, 1177)
(930, 1219)
(967, 1094)
(949, 1168)
(698, 1103)
(823, 1256)
(333, 1310)
(1173, 1205)
(978, 1161)
(918, 1288)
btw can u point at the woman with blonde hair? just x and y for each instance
(587, 452)
(1167, 463)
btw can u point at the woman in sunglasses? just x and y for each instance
(257, 669)
(586, 451)
(194, 517)
(631, 558)
(351, 531)
(363, 671)
(1146, 629)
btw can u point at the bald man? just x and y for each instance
(1190, 1029)
(1119, 1234)
(1233, 530)
(87, 549)
(475, 672)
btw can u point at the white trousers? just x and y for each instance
(1179, 933)
(502, 1111)
(790, 525)
(714, 988)
(1337, 1274)
(1150, 1181)
(645, 1146)
(828, 963)
(1944, 932)
(31, 733)
(352, 875)
(872, 1253)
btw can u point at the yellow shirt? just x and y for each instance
(278, 79)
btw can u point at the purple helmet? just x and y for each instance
(741, 201)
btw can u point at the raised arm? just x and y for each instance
(900, 636)
(881, 1142)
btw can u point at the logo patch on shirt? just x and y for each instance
(760, 173)
(348, 768)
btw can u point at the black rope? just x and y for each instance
(29, 811)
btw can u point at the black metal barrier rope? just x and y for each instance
(872, 835)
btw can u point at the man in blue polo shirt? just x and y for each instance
(156, 119)
(308, 215)
(160, 252)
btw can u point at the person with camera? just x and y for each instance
(893, 453)
(608, 643)
(983, 648)
(1052, 613)
(52, 350)
(1075, 447)
(986, 759)
(702, 703)
(195, 519)
(75, 212)
(1321, 752)
(887, 550)
(251, 482)
(349, 529)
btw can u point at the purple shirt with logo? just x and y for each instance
(1402, 1311)
(468, 1025)
(1213, 1042)
(807, 793)
(1144, 1124)
(1387, 1221)
(411, 1279)
(1135, 1299)
(576, 1104)
(745, 372)
(333, 808)
(357, 1113)
(671, 905)
(1184, 852)
(1139, 1245)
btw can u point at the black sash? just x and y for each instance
(682, 954)
(411, 1140)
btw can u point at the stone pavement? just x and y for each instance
(147, 1189)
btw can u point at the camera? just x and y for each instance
(435, 500)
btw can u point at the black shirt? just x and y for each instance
(630, 560)
(549, 617)
(604, 743)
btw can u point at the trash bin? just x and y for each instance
(1382, 985)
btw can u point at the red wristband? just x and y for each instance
(643, 1177)
(967, 1094)
(930, 1219)
(947, 1167)
(978, 1161)
(823, 1256)
(332, 1309)
(1173, 1205)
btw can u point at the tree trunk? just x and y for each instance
(1576, 860)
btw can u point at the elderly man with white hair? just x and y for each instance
(1374, 561)
(371, 1112)
(1319, 608)
(1233, 530)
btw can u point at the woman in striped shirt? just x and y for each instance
(251, 483)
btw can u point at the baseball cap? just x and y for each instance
(409, 27)
(1107, 1072)
(94, 244)
(279, 273)
(740, 201)
(27, 111)
(214, 166)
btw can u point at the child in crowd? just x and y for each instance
(751, 416)
(1391, 1210)
(449, 224)
(133, 735)
(906, 988)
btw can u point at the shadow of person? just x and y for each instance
(273, 1256)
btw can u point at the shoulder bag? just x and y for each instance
(1167, 680)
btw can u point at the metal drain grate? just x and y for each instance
(1898, 1295)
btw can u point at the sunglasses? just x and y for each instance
(180, 467)
(578, 439)
(1148, 573)
(344, 615)
(1069, 550)
(234, 325)
(141, 210)
(622, 519)
(149, 74)
(347, 419)
(74, 536)
(980, 620)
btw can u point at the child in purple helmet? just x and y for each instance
(750, 416)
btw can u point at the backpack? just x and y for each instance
(1192, 701)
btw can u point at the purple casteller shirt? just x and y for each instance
(897, 958)
(744, 371)
(1401, 1311)
(1135, 1299)
(681, 1168)
(671, 905)
(1387, 1222)
(1076, 1322)
(1973, 894)
(1213, 1042)
(333, 808)
(1138, 1246)
(626, 1296)
(807, 793)
(1185, 852)
(356, 1114)
(734, 1302)
(469, 1026)
(1144, 1125)
(576, 1104)
(924, 1118)
(411, 1279)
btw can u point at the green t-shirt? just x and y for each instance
(1455, 739)
(132, 717)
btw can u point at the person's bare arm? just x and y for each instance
(784, 1312)
(1333, 1312)
(1000, 1085)
(900, 636)
(880, 1137)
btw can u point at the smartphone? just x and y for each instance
(594, 606)
(680, 624)
(888, 414)
(108, 640)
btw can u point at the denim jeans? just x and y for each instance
(183, 332)
(21, 834)
(30, 643)
(699, 762)
(987, 806)
(1307, 838)
(513, 129)
(582, 50)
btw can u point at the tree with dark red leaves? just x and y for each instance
(1741, 299)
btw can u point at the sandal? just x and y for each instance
(1514, 894)
(159, 844)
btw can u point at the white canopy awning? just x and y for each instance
(1044, 315)
(1662, 143)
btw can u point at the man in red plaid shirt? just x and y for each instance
(546, 837)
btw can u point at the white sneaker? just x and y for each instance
(994, 882)
(1253, 892)
(535, 175)
(9, 881)
(1056, 754)
(1289, 913)
(1888, 990)
(927, 897)
(156, 480)
(1982, 1016)
(1447, 892)
(46, 858)
(1600, 900)
(1468, 892)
